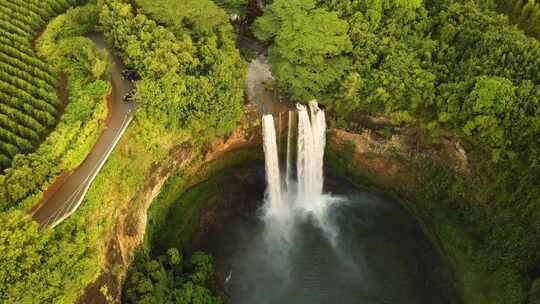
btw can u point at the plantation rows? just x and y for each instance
(29, 105)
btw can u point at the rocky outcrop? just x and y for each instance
(372, 152)
(131, 220)
(400, 165)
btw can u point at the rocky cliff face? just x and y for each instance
(373, 153)
(397, 164)
(131, 220)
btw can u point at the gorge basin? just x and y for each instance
(380, 256)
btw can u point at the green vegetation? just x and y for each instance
(428, 60)
(192, 74)
(447, 67)
(309, 46)
(194, 18)
(64, 260)
(534, 296)
(30, 107)
(441, 199)
(66, 51)
(173, 203)
(52, 265)
(55, 265)
(238, 7)
(525, 13)
(168, 279)
(177, 211)
(173, 219)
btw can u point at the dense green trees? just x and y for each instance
(193, 18)
(57, 264)
(309, 45)
(457, 67)
(525, 13)
(192, 74)
(238, 7)
(475, 44)
(407, 56)
(40, 266)
(168, 279)
(49, 266)
(402, 58)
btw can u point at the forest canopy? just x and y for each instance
(308, 48)
(192, 73)
(431, 60)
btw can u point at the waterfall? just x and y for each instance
(306, 193)
(288, 173)
(311, 144)
(273, 190)
(301, 199)
(303, 162)
(303, 196)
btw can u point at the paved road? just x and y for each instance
(68, 197)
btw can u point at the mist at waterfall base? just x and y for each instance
(305, 246)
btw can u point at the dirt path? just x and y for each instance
(69, 192)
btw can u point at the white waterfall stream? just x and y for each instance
(311, 144)
(305, 195)
(288, 172)
(273, 179)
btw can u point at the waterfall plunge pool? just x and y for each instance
(310, 239)
(381, 255)
(320, 240)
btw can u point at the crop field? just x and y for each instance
(29, 104)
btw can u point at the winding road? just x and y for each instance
(68, 196)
